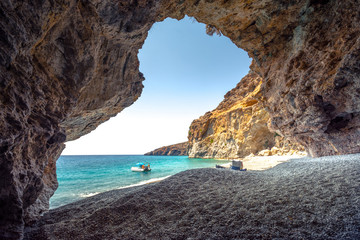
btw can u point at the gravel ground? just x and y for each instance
(304, 198)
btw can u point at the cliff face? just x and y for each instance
(179, 149)
(66, 66)
(237, 127)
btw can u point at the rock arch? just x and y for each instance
(67, 66)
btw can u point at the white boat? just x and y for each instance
(136, 169)
(141, 167)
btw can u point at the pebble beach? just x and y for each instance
(304, 198)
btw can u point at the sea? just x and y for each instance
(84, 176)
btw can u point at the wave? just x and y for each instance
(153, 180)
(85, 195)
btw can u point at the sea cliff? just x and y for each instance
(238, 126)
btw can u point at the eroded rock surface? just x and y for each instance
(313, 92)
(179, 149)
(236, 128)
(66, 66)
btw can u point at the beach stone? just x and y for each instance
(301, 199)
(274, 150)
(67, 66)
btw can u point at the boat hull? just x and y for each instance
(136, 169)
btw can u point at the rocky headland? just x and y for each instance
(179, 149)
(67, 66)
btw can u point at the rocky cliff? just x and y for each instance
(237, 127)
(179, 149)
(66, 66)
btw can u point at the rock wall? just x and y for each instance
(312, 88)
(236, 128)
(179, 149)
(66, 66)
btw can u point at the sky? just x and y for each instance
(187, 73)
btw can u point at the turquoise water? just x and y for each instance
(85, 176)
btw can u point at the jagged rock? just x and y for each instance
(66, 66)
(179, 149)
(265, 152)
(236, 128)
(284, 146)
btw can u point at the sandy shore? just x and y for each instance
(299, 199)
(264, 162)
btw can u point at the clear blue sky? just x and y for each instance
(187, 73)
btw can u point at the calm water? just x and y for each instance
(85, 176)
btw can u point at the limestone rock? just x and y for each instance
(237, 127)
(265, 152)
(284, 146)
(179, 149)
(65, 67)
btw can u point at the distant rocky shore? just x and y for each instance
(300, 199)
(179, 149)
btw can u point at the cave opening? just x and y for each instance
(187, 73)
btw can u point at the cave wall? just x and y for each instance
(66, 66)
(313, 92)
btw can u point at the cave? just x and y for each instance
(68, 66)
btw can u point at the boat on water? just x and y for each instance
(141, 167)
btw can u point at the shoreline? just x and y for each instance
(310, 198)
(261, 163)
(78, 178)
(258, 163)
(250, 163)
